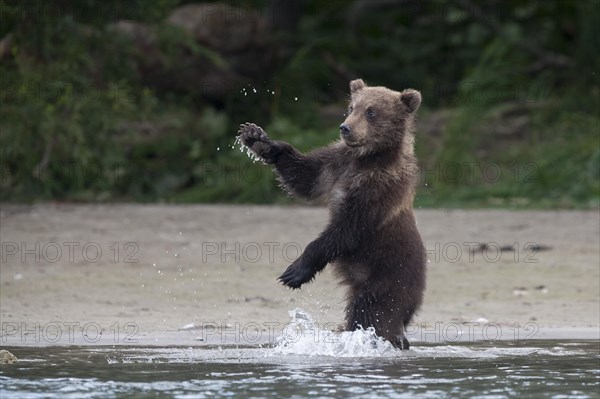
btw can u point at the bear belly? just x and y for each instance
(352, 272)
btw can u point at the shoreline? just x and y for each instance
(155, 269)
(190, 339)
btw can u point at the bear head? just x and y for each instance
(379, 118)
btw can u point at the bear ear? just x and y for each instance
(356, 86)
(411, 98)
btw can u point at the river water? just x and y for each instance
(545, 368)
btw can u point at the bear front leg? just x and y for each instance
(297, 172)
(342, 236)
(305, 268)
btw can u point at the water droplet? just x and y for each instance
(295, 98)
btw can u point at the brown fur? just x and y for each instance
(368, 181)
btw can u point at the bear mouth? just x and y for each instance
(351, 143)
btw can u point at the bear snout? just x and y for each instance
(345, 130)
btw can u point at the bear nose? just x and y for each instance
(344, 129)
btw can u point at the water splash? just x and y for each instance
(303, 336)
(251, 154)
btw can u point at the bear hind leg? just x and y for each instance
(365, 310)
(359, 312)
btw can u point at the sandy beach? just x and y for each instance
(204, 274)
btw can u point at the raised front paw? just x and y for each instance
(296, 274)
(255, 138)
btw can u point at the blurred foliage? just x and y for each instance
(515, 84)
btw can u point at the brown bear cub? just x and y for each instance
(368, 180)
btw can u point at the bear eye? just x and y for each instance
(350, 108)
(370, 113)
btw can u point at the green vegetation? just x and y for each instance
(95, 109)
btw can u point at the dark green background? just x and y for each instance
(510, 114)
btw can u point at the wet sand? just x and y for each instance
(192, 275)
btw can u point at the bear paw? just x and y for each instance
(401, 342)
(296, 275)
(254, 137)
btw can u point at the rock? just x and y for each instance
(142, 34)
(241, 36)
(6, 45)
(6, 357)
(234, 47)
(221, 26)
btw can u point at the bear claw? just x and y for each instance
(255, 138)
(294, 276)
(289, 280)
(250, 133)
